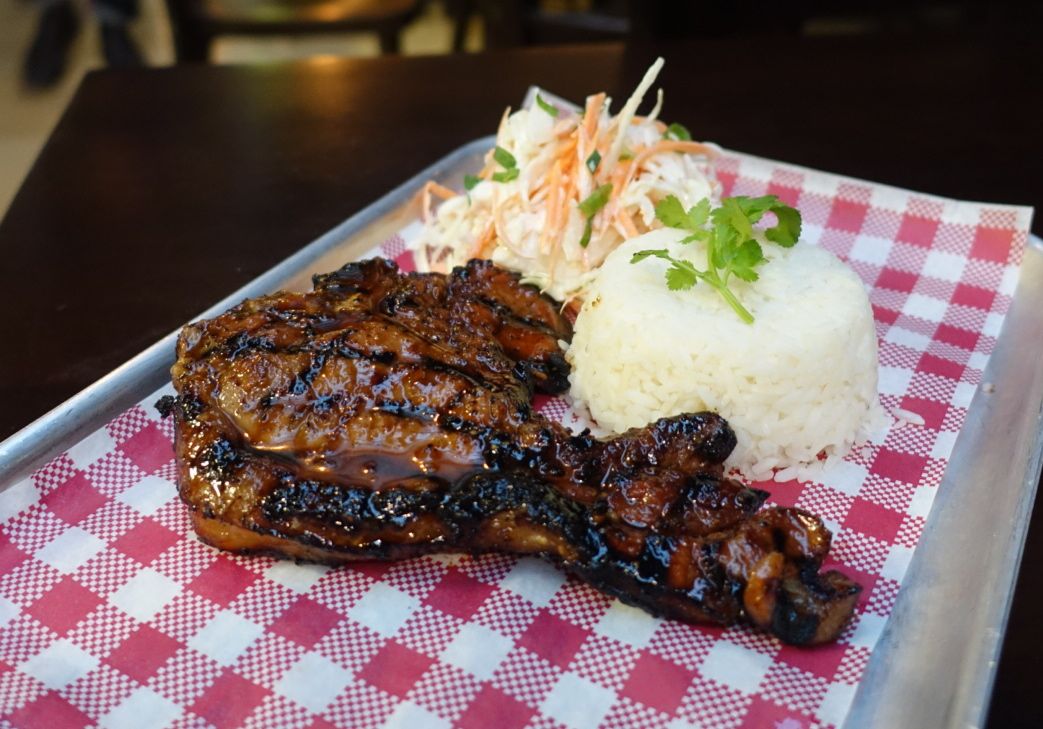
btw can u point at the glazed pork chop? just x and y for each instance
(387, 415)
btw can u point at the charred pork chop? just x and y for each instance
(386, 415)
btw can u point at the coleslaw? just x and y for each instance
(562, 189)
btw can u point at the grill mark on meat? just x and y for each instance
(388, 415)
(340, 348)
(346, 507)
(242, 343)
(461, 509)
(507, 315)
(302, 382)
(451, 362)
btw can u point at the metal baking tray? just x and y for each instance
(936, 660)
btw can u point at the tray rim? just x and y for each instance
(888, 693)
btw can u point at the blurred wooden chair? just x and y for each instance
(510, 23)
(197, 22)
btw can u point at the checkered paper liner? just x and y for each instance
(113, 614)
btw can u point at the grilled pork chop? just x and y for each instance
(387, 415)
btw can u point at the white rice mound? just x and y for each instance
(798, 382)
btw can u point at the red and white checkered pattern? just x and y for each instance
(113, 614)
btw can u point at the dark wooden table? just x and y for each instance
(161, 191)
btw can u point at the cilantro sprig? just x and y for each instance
(727, 231)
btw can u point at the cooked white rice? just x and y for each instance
(798, 382)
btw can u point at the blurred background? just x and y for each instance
(46, 46)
